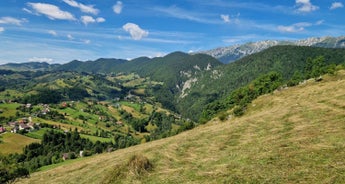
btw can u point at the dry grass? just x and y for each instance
(292, 136)
(14, 143)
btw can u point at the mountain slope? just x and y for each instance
(235, 52)
(176, 71)
(292, 136)
(221, 81)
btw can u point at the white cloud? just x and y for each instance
(27, 10)
(88, 19)
(51, 11)
(82, 7)
(52, 32)
(11, 20)
(305, 6)
(2, 29)
(225, 18)
(294, 28)
(100, 19)
(336, 5)
(135, 31)
(176, 12)
(290, 29)
(117, 8)
(38, 59)
(70, 37)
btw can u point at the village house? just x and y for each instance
(13, 124)
(65, 156)
(28, 106)
(2, 129)
(23, 126)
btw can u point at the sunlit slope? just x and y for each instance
(295, 135)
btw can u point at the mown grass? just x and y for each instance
(95, 138)
(14, 143)
(8, 109)
(37, 134)
(292, 136)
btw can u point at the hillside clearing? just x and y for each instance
(14, 143)
(295, 135)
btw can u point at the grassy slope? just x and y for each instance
(292, 136)
(14, 143)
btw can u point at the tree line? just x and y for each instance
(238, 99)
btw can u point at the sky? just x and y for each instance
(59, 31)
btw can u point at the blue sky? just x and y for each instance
(58, 31)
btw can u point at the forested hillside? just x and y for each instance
(221, 81)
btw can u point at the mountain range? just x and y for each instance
(191, 81)
(238, 51)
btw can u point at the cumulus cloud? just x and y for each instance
(100, 19)
(225, 18)
(135, 31)
(305, 6)
(11, 20)
(82, 7)
(88, 19)
(2, 29)
(294, 28)
(336, 5)
(52, 32)
(39, 59)
(51, 11)
(117, 8)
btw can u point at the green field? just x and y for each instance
(14, 143)
(294, 135)
(8, 110)
(37, 134)
(95, 138)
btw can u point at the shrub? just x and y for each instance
(239, 110)
(139, 165)
(222, 116)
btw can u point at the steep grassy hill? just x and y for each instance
(295, 135)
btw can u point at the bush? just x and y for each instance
(239, 110)
(139, 165)
(222, 116)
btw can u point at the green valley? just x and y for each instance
(294, 135)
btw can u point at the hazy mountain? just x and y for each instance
(235, 52)
(30, 66)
